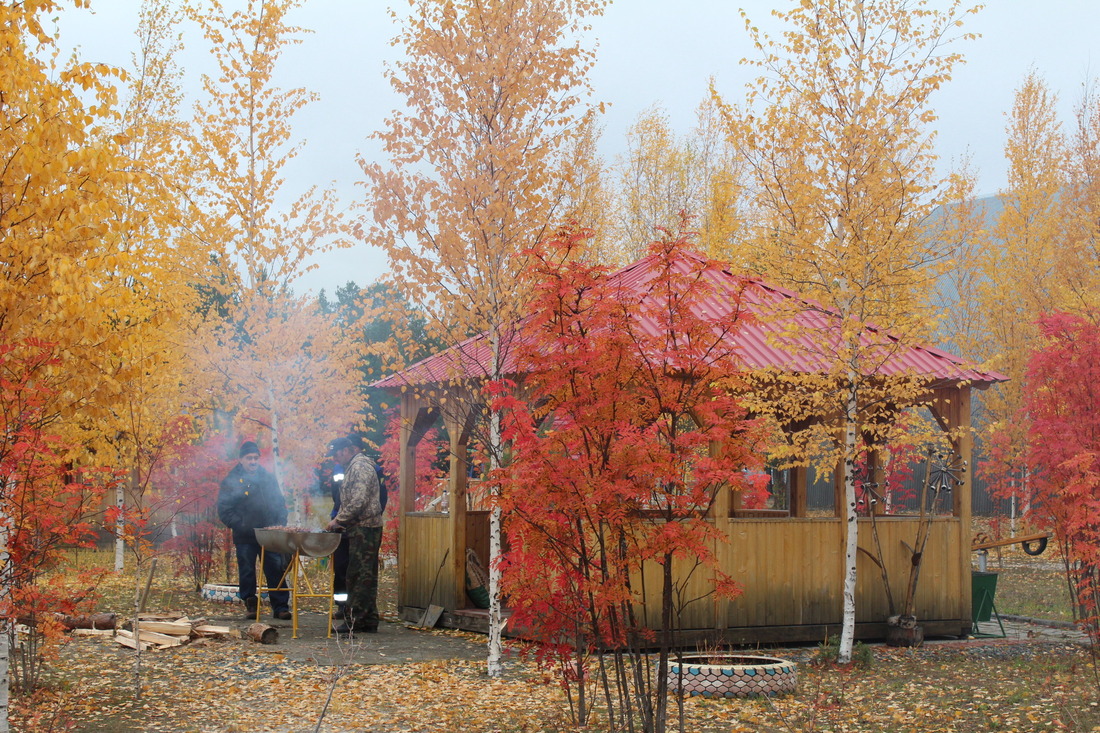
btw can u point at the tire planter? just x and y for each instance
(220, 593)
(733, 675)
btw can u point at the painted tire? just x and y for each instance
(740, 675)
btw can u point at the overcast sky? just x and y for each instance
(649, 51)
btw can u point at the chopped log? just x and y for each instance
(263, 633)
(126, 641)
(209, 630)
(126, 638)
(152, 639)
(166, 627)
(169, 616)
(82, 621)
(162, 641)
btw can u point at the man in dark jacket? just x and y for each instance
(331, 477)
(248, 499)
(360, 518)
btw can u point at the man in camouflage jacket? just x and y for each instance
(360, 518)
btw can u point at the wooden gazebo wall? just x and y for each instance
(791, 568)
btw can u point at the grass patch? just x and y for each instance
(1035, 592)
(1031, 586)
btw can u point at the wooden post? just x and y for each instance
(951, 408)
(876, 472)
(405, 494)
(799, 476)
(962, 500)
(458, 426)
(838, 489)
(415, 416)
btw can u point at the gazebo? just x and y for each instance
(789, 560)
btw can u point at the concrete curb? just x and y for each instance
(1039, 621)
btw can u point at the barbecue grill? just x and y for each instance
(298, 544)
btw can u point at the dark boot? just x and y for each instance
(251, 605)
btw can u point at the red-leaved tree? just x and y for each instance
(46, 507)
(623, 431)
(1063, 405)
(189, 483)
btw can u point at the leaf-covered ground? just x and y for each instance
(226, 686)
(237, 686)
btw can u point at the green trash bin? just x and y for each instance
(983, 587)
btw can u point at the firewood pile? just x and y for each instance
(163, 631)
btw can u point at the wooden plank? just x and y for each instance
(798, 552)
(988, 544)
(741, 567)
(822, 570)
(430, 535)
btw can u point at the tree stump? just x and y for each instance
(263, 633)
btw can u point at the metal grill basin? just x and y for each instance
(302, 542)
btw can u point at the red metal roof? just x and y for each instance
(785, 331)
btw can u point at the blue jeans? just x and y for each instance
(274, 567)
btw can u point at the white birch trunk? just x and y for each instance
(1026, 509)
(6, 628)
(1012, 514)
(494, 664)
(851, 529)
(120, 527)
(496, 627)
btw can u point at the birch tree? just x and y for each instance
(494, 92)
(1082, 196)
(147, 359)
(59, 166)
(1024, 274)
(664, 176)
(836, 136)
(243, 145)
(275, 358)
